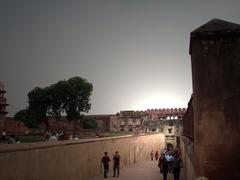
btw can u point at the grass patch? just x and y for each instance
(29, 139)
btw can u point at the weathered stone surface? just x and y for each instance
(3, 102)
(215, 57)
(72, 160)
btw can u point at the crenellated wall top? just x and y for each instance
(163, 111)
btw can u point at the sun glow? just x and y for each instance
(158, 101)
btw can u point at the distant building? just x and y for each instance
(3, 102)
(126, 121)
(103, 121)
(167, 121)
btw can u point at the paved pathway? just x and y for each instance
(142, 171)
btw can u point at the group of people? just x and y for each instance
(168, 162)
(116, 164)
(9, 139)
(6, 138)
(58, 136)
(156, 155)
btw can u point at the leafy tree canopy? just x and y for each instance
(70, 97)
(24, 116)
(89, 123)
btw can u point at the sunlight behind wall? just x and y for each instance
(157, 101)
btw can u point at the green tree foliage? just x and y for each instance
(24, 116)
(71, 97)
(78, 97)
(39, 104)
(89, 123)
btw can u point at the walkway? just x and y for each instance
(142, 171)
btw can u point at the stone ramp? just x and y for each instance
(143, 171)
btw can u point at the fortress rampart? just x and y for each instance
(72, 159)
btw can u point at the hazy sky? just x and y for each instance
(134, 52)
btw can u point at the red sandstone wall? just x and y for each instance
(12, 126)
(61, 125)
(188, 172)
(188, 121)
(214, 50)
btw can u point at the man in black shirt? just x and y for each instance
(105, 162)
(116, 164)
(164, 166)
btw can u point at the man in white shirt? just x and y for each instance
(4, 134)
(53, 137)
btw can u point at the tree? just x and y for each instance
(39, 104)
(89, 123)
(58, 97)
(78, 97)
(71, 97)
(23, 115)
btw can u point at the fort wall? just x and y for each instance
(214, 50)
(73, 160)
(187, 156)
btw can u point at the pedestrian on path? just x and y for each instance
(164, 166)
(151, 154)
(156, 155)
(105, 162)
(177, 164)
(4, 136)
(116, 164)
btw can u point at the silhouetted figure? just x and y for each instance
(46, 135)
(98, 135)
(105, 162)
(151, 154)
(53, 137)
(4, 136)
(17, 140)
(61, 136)
(11, 139)
(164, 166)
(116, 164)
(156, 155)
(177, 164)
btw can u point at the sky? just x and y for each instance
(134, 52)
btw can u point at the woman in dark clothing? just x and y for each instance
(177, 164)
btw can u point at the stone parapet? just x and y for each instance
(73, 159)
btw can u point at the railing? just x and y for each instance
(188, 121)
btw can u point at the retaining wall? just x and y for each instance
(72, 160)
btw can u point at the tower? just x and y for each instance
(215, 58)
(3, 101)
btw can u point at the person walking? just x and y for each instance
(156, 155)
(53, 137)
(164, 166)
(4, 136)
(151, 154)
(177, 164)
(105, 162)
(116, 164)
